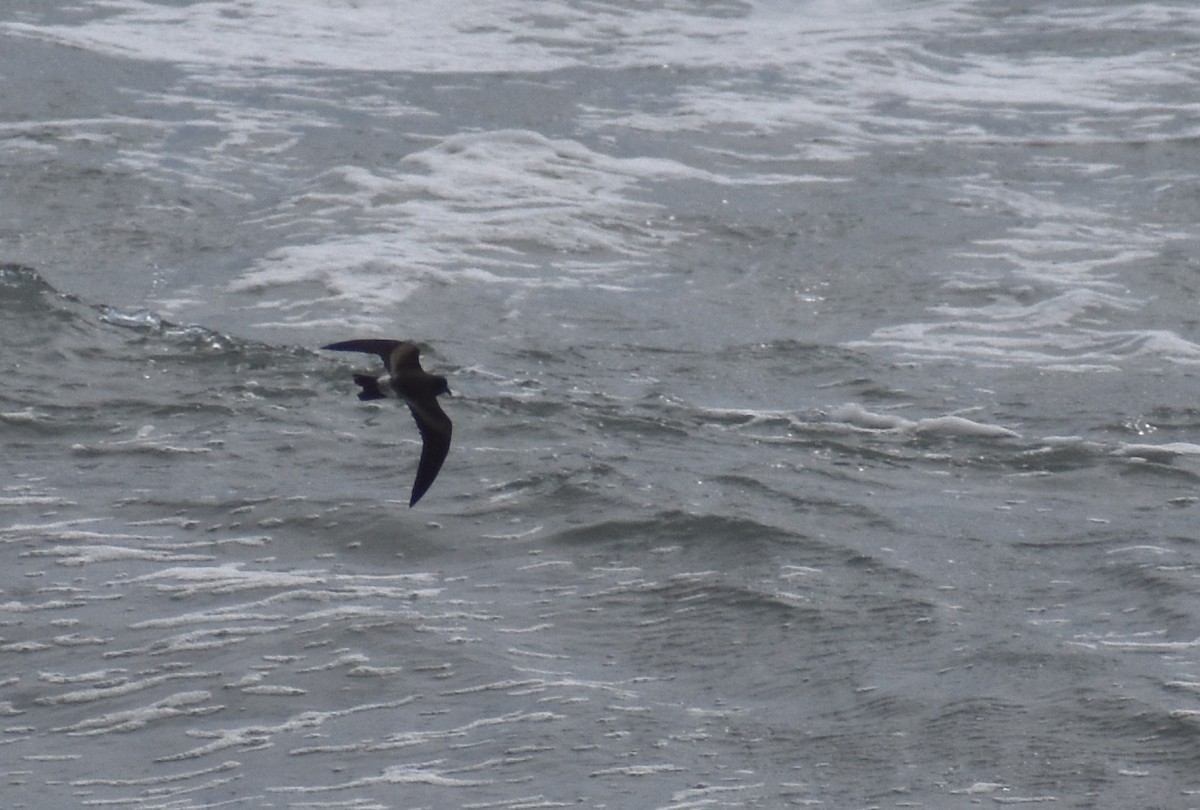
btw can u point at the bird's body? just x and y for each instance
(418, 389)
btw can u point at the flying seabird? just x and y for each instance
(419, 389)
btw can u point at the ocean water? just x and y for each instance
(824, 399)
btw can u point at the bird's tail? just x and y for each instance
(370, 387)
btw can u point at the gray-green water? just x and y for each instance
(824, 405)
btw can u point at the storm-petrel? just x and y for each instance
(419, 389)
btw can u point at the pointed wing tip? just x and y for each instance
(425, 478)
(367, 345)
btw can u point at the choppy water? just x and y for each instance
(825, 424)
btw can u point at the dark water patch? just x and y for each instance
(619, 421)
(120, 360)
(1148, 734)
(1163, 465)
(677, 527)
(1060, 457)
(25, 288)
(790, 357)
(963, 731)
(571, 486)
(803, 496)
(533, 409)
(1169, 419)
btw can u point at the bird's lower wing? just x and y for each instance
(435, 445)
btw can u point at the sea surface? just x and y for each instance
(824, 375)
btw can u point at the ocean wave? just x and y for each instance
(850, 78)
(935, 426)
(438, 219)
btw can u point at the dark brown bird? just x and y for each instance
(419, 389)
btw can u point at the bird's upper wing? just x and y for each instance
(383, 348)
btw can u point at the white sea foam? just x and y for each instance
(125, 688)
(26, 417)
(498, 207)
(366, 35)
(1052, 349)
(190, 704)
(377, 35)
(1067, 262)
(1158, 451)
(84, 554)
(30, 500)
(484, 208)
(949, 425)
(834, 69)
(144, 442)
